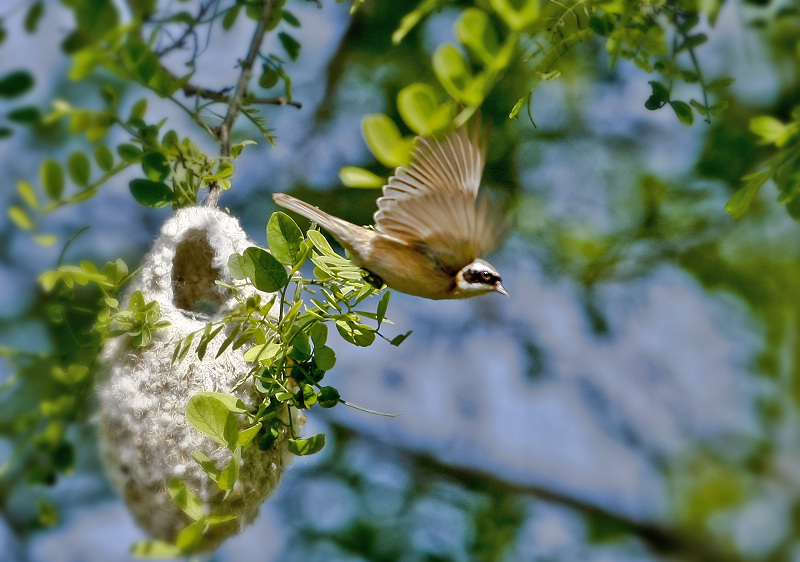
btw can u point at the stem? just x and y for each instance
(235, 103)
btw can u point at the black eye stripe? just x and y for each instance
(482, 276)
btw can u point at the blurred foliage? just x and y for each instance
(500, 53)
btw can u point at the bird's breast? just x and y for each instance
(406, 269)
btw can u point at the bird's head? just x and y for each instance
(477, 278)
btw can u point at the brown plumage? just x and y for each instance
(430, 230)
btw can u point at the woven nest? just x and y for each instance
(145, 438)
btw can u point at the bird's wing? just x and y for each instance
(433, 202)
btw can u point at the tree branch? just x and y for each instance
(659, 538)
(235, 102)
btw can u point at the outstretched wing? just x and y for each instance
(433, 202)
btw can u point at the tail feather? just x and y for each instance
(345, 232)
(302, 208)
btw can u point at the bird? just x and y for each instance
(430, 230)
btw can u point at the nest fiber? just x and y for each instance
(145, 438)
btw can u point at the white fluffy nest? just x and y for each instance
(145, 438)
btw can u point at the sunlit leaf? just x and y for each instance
(353, 176)
(284, 238)
(307, 446)
(209, 413)
(187, 501)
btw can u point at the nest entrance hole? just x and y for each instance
(193, 276)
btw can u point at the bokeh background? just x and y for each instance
(635, 399)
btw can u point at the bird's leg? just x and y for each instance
(372, 279)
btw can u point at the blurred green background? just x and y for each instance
(636, 399)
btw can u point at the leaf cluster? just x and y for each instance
(783, 168)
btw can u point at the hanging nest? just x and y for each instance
(145, 438)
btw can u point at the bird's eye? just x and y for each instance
(486, 276)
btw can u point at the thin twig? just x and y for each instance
(280, 100)
(235, 102)
(179, 42)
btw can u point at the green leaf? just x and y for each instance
(321, 243)
(328, 397)
(33, 16)
(275, 16)
(290, 18)
(411, 19)
(138, 110)
(719, 83)
(236, 149)
(768, 128)
(302, 447)
(419, 107)
(25, 115)
(269, 77)
(383, 305)
(151, 193)
(517, 14)
(79, 168)
(236, 266)
(104, 158)
(660, 91)
(683, 111)
(353, 176)
(264, 270)
(455, 75)
(99, 126)
(129, 152)
(385, 141)
(692, 41)
(400, 339)
(206, 464)
(301, 347)
(155, 166)
(230, 17)
(20, 217)
(208, 413)
(355, 332)
(324, 357)
(189, 537)
(264, 352)
(247, 435)
(601, 24)
(28, 194)
(738, 204)
(307, 397)
(476, 32)
(284, 238)
(51, 174)
(514, 113)
(229, 475)
(318, 333)
(155, 549)
(16, 83)
(98, 18)
(187, 501)
(290, 45)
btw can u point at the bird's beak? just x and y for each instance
(502, 290)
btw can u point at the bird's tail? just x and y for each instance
(340, 228)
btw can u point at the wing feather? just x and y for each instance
(433, 202)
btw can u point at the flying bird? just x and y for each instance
(430, 229)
